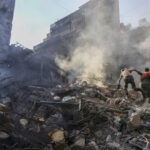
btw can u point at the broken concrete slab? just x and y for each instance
(2, 107)
(4, 135)
(57, 136)
(135, 119)
(113, 146)
(23, 122)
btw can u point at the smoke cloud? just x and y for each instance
(103, 48)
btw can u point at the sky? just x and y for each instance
(32, 18)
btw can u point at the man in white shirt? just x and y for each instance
(128, 79)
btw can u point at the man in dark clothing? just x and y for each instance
(145, 82)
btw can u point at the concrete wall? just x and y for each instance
(6, 17)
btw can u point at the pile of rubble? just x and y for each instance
(76, 117)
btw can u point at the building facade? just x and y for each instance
(65, 31)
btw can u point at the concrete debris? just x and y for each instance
(93, 146)
(62, 118)
(2, 107)
(57, 98)
(57, 136)
(135, 119)
(108, 139)
(68, 98)
(52, 94)
(23, 122)
(113, 146)
(3, 135)
(80, 142)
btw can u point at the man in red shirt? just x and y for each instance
(145, 82)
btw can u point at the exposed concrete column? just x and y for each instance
(6, 17)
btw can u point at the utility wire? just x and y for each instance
(121, 15)
(60, 5)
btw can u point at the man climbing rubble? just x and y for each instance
(145, 82)
(128, 79)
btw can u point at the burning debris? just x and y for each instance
(75, 116)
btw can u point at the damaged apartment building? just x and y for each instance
(64, 32)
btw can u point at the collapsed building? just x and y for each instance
(35, 114)
(16, 61)
(75, 116)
